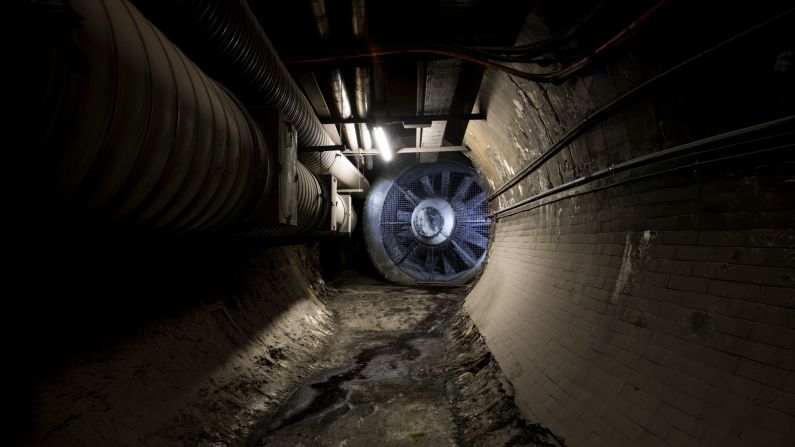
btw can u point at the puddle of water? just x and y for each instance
(322, 398)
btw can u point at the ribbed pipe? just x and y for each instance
(225, 39)
(126, 129)
(313, 208)
(344, 215)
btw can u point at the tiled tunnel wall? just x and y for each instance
(660, 311)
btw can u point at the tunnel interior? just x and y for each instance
(485, 223)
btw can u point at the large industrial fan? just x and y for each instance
(427, 224)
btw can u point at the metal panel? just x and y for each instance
(441, 80)
(281, 205)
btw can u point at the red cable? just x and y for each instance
(552, 76)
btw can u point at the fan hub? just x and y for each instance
(432, 221)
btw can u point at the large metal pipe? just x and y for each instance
(313, 207)
(124, 128)
(361, 82)
(119, 126)
(227, 41)
(343, 105)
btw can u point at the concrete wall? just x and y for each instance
(660, 311)
(147, 345)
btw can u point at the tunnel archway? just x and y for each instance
(637, 286)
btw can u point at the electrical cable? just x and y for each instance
(594, 117)
(553, 76)
(656, 157)
(522, 209)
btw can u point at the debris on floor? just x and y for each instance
(481, 395)
(405, 366)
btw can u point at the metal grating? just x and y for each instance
(441, 80)
(463, 250)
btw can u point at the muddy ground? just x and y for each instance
(405, 366)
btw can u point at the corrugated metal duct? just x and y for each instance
(228, 42)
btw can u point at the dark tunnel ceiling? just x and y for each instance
(310, 28)
(450, 86)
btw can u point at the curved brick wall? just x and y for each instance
(660, 311)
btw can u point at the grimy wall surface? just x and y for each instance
(657, 310)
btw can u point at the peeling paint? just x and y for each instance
(518, 108)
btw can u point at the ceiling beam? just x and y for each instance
(408, 119)
(410, 150)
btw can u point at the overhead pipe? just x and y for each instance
(361, 77)
(312, 204)
(343, 105)
(688, 149)
(120, 127)
(123, 128)
(226, 40)
(362, 96)
(606, 110)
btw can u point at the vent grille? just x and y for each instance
(460, 251)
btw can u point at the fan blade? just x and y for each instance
(427, 186)
(476, 201)
(406, 233)
(430, 262)
(444, 190)
(408, 252)
(447, 266)
(461, 192)
(463, 253)
(476, 239)
(404, 216)
(408, 195)
(476, 223)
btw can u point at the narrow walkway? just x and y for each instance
(385, 379)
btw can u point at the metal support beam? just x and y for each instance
(409, 119)
(333, 147)
(411, 150)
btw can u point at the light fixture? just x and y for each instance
(382, 143)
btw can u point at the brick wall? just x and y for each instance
(622, 327)
(659, 312)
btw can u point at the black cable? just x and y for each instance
(522, 209)
(594, 117)
(658, 157)
(540, 47)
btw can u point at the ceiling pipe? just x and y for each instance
(321, 18)
(121, 128)
(226, 40)
(362, 94)
(124, 131)
(359, 18)
(361, 77)
(312, 205)
(343, 105)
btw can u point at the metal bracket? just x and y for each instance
(333, 147)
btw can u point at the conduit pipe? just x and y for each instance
(226, 40)
(687, 149)
(122, 127)
(343, 105)
(313, 207)
(119, 126)
(606, 110)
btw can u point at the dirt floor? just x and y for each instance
(405, 367)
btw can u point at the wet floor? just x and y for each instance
(382, 382)
(405, 368)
